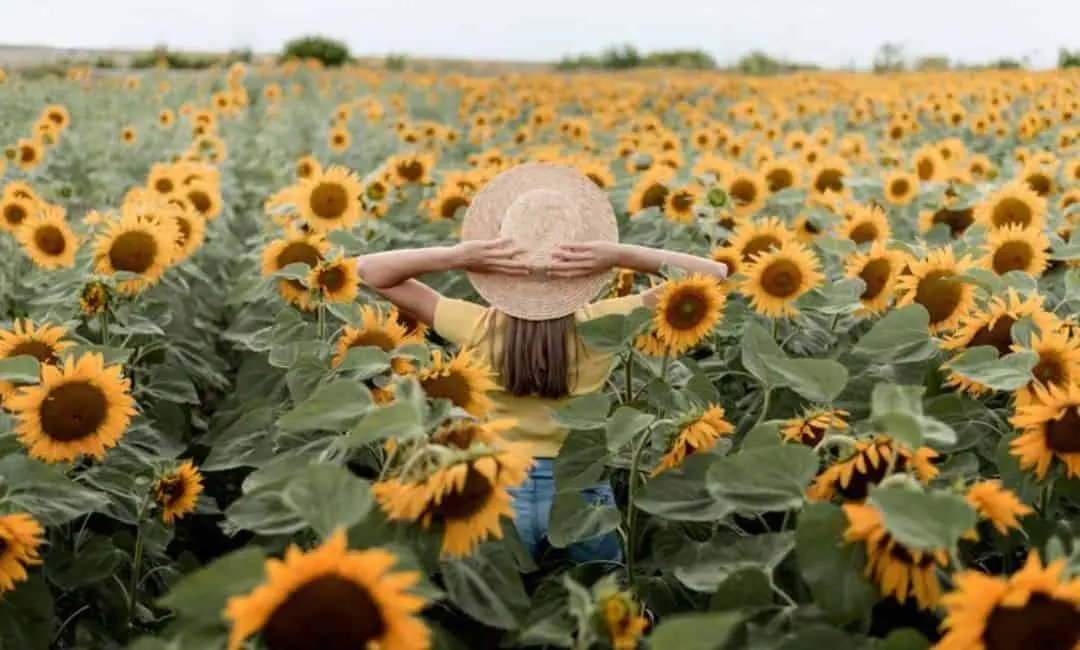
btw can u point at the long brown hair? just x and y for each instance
(536, 356)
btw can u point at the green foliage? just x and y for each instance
(329, 51)
(627, 57)
(162, 56)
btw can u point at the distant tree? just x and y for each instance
(620, 57)
(395, 62)
(330, 51)
(1068, 58)
(889, 58)
(932, 63)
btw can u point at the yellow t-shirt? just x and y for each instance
(482, 330)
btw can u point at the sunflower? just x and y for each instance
(780, 174)
(927, 162)
(958, 220)
(687, 310)
(464, 380)
(20, 537)
(415, 329)
(996, 505)
(1014, 203)
(136, 244)
(1069, 198)
(45, 343)
(747, 190)
(162, 179)
(620, 617)
(827, 177)
(679, 203)
(376, 330)
(177, 492)
(128, 135)
(295, 247)
(729, 257)
(808, 228)
(1058, 364)
(48, 240)
(28, 153)
(57, 115)
(776, 279)
(650, 191)
(866, 224)
(204, 198)
(935, 283)
(1036, 607)
(192, 228)
(166, 118)
(709, 164)
(598, 172)
(94, 298)
(15, 211)
(337, 279)
(307, 167)
(447, 202)
(752, 238)
(900, 187)
(1014, 248)
(1040, 178)
(331, 597)
(695, 434)
(339, 138)
(330, 200)
(898, 571)
(850, 478)
(467, 496)
(82, 408)
(411, 168)
(879, 268)
(810, 427)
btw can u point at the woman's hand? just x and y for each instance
(490, 256)
(580, 259)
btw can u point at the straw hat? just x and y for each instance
(539, 206)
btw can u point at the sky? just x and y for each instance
(827, 32)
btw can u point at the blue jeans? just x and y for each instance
(532, 507)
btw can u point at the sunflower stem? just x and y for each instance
(629, 377)
(764, 407)
(664, 365)
(631, 512)
(105, 327)
(321, 320)
(137, 557)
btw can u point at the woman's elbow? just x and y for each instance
(368, 275)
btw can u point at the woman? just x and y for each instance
(529, 253)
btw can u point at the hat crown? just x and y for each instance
(539, 220)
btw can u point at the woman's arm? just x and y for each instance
(392, 273)
(586, 258)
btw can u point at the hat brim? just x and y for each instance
(537, 297)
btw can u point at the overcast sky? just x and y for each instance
(830, 32)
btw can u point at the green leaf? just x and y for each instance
(487, 586)
(1008, 373)
(295, 271)
(398, 420)
(585, 412)
(763, 478)
(172, 385)
(27, 619)
(202, 595)
(682, 495)
(95, 560)
(904, 509)
(580, 462)
(23, 369)
(696, 631)
(896, 410)
(327, 497)
(902, 336)
(573, 519)
(245, 443)
(766, 434)
(832, 569)
(1072, 283)
(331, 407)
(724, 556)
(365, 363)
(625, 424)
(757, 343)
(905, 639)
(614, 332)
(818, 380)
(264, 512)
(45, 491)
(743, 588)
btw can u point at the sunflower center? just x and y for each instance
(829, 180)
(473, 496)
(899, 553)
(654, 196)
(1050, 370)
(411, 171)
(451, 386)
(14, 214)
(375, 191)
(744, 192)
(329, 612)
(864, 232)
(451, 205)
(40, 350)
(329, 200)
(925, 168)
(779, 179)
(200, 200)
(170, 490)
(940, 292)
(782, 279)
(1040, 184)
(1063, 434)
(460, 436)
(900, 187)
(164, 185)
(957, 220)
(759, 244)
(859, 486)
(27, 154)
(876, 275)
(1012, 256)
(999, 335)
(1010, 210)
(332, 279)
(50, 240)
(304, 169)
(686, 310)
(682, 201)
(298, 251)
(373, 338)
(1043, 622)
(134, 251)
(73, 411)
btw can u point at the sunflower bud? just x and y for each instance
(717, 197)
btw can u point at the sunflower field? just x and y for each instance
(212, 435)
